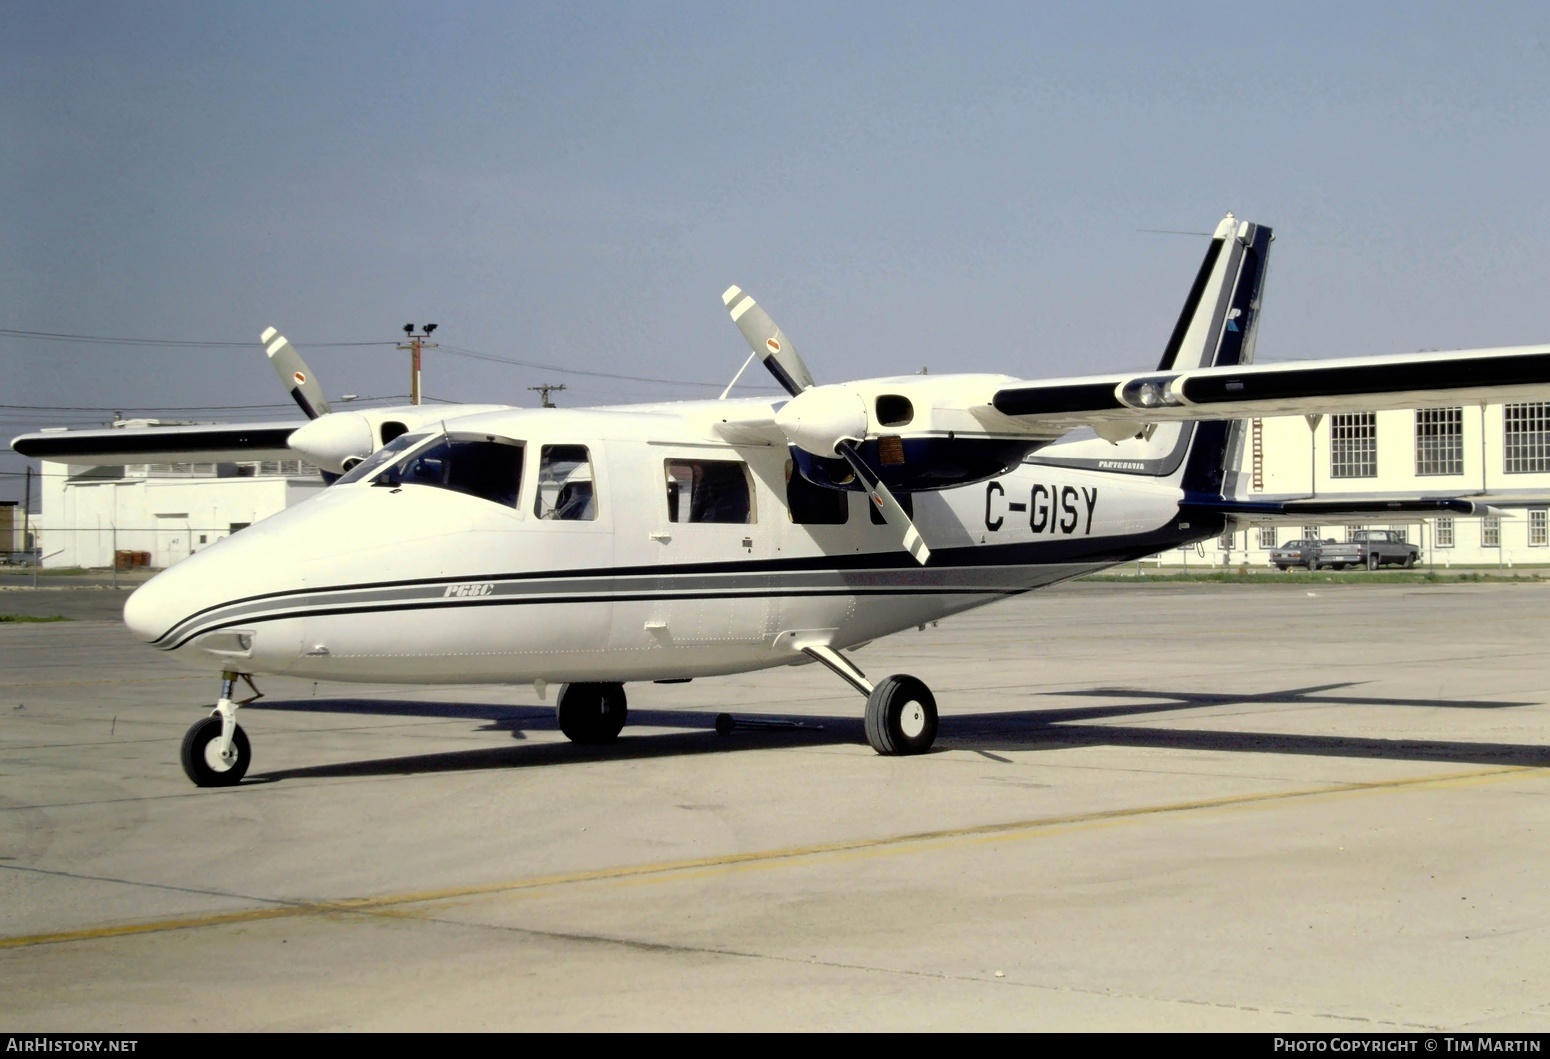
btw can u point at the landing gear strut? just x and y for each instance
(591, 713)
(900, 710)
(215, 750)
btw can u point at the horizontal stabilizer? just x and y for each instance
(1377, 508)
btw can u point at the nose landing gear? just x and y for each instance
(215, 751)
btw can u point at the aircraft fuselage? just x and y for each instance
(404, 581)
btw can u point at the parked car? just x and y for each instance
(1370, 548)
(1297, 553)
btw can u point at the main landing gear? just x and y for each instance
(591, 713)
(215, 750)
(900, 710)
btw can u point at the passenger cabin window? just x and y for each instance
(708, 491)
(565, 491)
(481, 465)
(813, 505)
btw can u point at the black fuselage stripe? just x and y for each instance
(1102, 550)
(517, 601)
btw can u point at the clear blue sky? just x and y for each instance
(960, 186)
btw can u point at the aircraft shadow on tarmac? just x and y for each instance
(984, 733)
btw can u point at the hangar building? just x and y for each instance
(156, 514)
(1499, 449)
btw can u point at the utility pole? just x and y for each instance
(416, 343)
(26, 509)
(545, 389)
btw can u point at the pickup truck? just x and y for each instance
(1370, 548)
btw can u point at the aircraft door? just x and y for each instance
(710, 584)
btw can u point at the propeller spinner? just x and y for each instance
(797, 419)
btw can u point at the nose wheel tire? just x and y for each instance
(202, 761)
(591, 713)
(901, 716)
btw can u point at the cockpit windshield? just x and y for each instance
(385, 455)
(481, 465)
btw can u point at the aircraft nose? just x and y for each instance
(156, 606)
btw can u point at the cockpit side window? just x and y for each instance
(481, 465)
(708, 491)
(565, 484)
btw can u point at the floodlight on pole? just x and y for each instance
(416, 343)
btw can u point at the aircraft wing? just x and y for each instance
(1364, 384)
(208, 443)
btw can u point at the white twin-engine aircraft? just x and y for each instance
(599, 546)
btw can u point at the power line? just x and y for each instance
(472, 354)
(170, 408)
(109, 340)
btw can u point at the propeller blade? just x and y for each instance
(893, 513)
(768, 341)
(294, 374)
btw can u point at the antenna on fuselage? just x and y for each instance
(739, 375)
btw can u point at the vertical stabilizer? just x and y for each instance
(1216, 328)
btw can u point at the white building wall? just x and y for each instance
(87, 516)
(1297, 462)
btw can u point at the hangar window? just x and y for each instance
(1267, 536)
(1443, 537)
(813, 505)
(1353, 445)
(1490, 533)
(565, 491)
(1526, 438)
(1439, 441)
(708, 491)
(1538, 527)
(481, 465)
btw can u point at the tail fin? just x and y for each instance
(1215, 328)
(1219, 333)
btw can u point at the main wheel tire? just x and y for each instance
(591, 713)
(204, 765)
(1374, 561)
(900, 716)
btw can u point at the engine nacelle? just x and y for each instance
(330, 440)
(915, 465)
